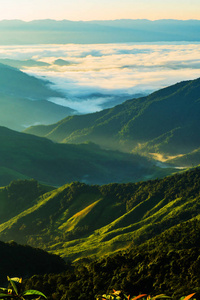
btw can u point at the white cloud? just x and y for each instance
(110, 69)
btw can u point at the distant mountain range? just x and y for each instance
(23, 100)
(164, 125)
(23, 63)
(51, 31)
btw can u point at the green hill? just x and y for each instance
(19, 113)
(166, 264)
(78, 220)
(15, 82)
(165, 123)
(18, 196)
(25, 261)
(24, 156)
(15, 63)
(23, 100)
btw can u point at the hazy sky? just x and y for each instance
(99, 9)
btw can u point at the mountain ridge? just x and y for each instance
(25, 156)
(24, 100)
(110, 31)
(135, 124)
(78, 220)
(166, 264)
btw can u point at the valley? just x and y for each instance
(25, 156)
(100, 157)
(134, 126)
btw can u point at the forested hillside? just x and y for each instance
(141, 236)
(78, 220)
(15, 82)
(165, 123)
(24, 156)
(168, 263)
(24, 100)
(18, 196)
(25, 261)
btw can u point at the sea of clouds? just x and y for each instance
(93, 77)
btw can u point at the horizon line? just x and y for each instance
(99, 20)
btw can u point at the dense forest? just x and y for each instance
(78, 220)
(25, 261)
(168, 263)
(161, 254)
(25, 156)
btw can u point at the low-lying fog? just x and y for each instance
(97, 76)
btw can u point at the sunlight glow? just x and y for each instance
(99, 10)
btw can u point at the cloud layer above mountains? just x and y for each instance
(93, 77)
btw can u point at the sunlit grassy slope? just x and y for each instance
(166, 122)
(189, 159)
(77, 220)
(166, 264)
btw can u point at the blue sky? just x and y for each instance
(99, 9)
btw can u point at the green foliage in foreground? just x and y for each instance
(14, 292)
(119, 295)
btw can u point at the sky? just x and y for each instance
(85, 10)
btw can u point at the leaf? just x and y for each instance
(3, 296)
(13, 285)
(139, 296)
(17, 279)
(4, 290)
(126, 297)
(189, 296)
(33, 292)
(117, 292)
(161, 296)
